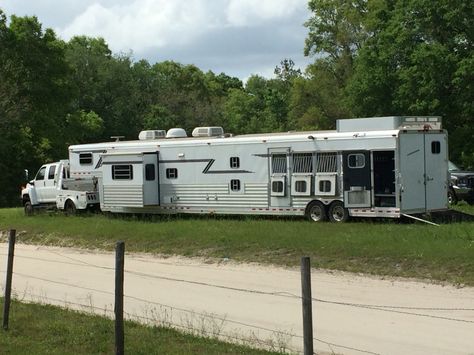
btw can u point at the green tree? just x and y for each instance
(419, 61)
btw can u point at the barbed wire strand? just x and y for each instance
(269, 293)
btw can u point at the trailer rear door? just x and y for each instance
(423, 172)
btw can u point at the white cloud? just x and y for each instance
(141, 24)
(247, 12)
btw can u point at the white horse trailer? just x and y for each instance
(370, 167)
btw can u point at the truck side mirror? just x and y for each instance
(32, 182)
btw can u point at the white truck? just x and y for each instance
(52, 187)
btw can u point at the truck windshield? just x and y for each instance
(452, 166)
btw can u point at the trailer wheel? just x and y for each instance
(452, 199)
(70, 208)
(316, 212)
(28, 208)
(337, 212)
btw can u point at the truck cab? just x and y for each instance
(53, 188)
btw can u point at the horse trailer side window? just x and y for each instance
(122, 172)
(234, 162)
(300, 186)
(172, 173)
(277, 186)
(149, 172)
(435, 147)
(85, 158)
(235, 185)
(326, 162)
(356, 161)
(325, 186)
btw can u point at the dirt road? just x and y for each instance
(352, 314)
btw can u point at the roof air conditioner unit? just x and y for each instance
(208, 132)
(150, 135)
(176, 133)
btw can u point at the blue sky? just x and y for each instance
(237, 37)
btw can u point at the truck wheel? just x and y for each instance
(70, 208)
(28, 208)
(452, 199)
(337, 212)
(316, 212)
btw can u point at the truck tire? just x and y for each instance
(28, 208)
(338, 213)
(70, 208)
(452, 199)
(316, 212)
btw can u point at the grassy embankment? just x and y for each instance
(444, 253)
(43, 329)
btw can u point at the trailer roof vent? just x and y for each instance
(208, 132)
(176, 133)
(150, 135)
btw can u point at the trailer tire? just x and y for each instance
(28, 208)
(316, 212)
(70, 208)
(338, 213)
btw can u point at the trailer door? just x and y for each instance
(423, 172)
(412, 173)
(436, 157)
(151, 182)
(357, 178)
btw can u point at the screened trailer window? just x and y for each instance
(122, 172)
(172, 173)
(279, 163)
(234, 162)
(301, 186)
(277, 186)
(85, 158)
(303, 163)
(325, 186)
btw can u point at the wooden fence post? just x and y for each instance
(8, 283)
(119, 266)
(307, 305)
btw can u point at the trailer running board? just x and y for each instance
(420, 219)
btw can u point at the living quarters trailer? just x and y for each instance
(369, 167)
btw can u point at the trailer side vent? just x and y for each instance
(208, 132)
(152, 134)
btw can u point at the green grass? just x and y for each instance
(42, 329)
(444, 253)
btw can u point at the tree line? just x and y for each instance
(371, 58)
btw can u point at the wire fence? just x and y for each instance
(251, 337)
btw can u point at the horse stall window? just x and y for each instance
(326, 162)
(122, 172)
(279, 164)
(302, 163)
